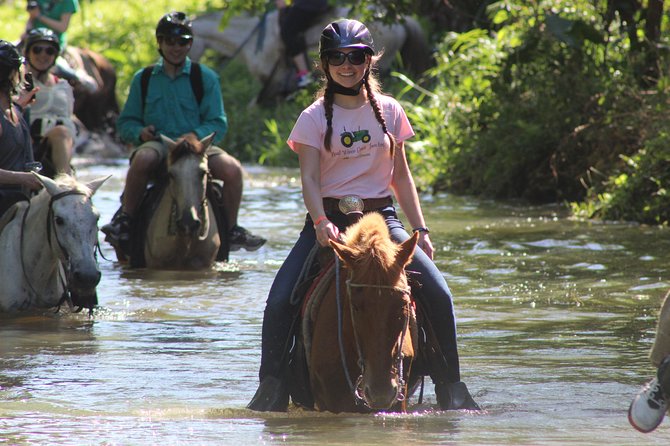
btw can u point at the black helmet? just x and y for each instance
(9, 55)
(174, 24)
(346, 33)
(41, 35)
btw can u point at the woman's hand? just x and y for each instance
(325, 231)
(26, 97)
(425, 244)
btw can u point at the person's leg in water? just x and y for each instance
(143, 162)
(648, 408)
(450, 391)
(272, 393)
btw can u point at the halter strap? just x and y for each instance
(66, 295)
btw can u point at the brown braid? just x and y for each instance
(328, 105)
(378, 112)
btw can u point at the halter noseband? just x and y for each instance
(357, 388)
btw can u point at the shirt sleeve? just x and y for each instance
(131, 120)
(213, 117)
(307, 130)
(402, 129)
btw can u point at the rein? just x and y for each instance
(356, 388)
(49, 228)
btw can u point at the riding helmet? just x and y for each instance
(174, 24)
(346, 33)
(41, 35)
(10, 56)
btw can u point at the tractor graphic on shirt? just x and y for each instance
(349, 138)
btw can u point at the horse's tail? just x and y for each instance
(416, 52)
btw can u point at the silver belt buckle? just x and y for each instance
(351, 203)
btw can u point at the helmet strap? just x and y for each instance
(341, 89)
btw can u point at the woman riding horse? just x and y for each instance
(350, 141)
(51, 125)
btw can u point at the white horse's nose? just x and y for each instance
(190, 222)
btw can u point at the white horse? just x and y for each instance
(47, 248)
(258, 43)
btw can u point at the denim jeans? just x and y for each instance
(279, 312)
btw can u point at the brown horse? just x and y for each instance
(97, 110)
(364, 335)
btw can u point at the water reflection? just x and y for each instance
(555, 320)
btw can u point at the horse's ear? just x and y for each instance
(406, 250)
(95, 184)
(345, 253)
(207, 140)
(168, 142)
(49, 184)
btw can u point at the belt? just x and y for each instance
(332, 205)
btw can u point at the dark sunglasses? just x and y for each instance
(47, 49)
(337, 58)
(181, 41)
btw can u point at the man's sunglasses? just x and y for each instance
(47, 49)
(181, 41)
(337, 58)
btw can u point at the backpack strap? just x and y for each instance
(195, 77)
(144, 82)
(196, 82)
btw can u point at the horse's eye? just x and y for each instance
(59, 221)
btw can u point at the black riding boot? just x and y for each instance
(454, 396)
(271, 396)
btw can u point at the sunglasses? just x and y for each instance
(181, 41)
(47, 49)
(337, 58)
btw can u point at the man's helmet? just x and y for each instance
(9, 56)
(345, 33)
(36, 35)
(174, 24)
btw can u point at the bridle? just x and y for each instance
(65, 257)
(357, 389)
(202, 209)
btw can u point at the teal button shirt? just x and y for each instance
(171, 106)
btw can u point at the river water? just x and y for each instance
(555, 321)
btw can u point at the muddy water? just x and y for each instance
(555, 320)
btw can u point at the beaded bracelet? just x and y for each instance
(319, 220)
(421, 229)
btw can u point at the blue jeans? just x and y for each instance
(280, 313)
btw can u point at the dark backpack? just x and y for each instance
(195, 76)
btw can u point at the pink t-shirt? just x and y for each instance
(359, 161)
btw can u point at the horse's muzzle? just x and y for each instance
(82, 286)
(189, 223)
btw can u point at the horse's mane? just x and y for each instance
(371, 243)
(186, 145)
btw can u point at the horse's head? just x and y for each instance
(188, 173)
(72, 234)
(381, 309)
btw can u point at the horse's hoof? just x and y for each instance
(455, 396)
(271, 396)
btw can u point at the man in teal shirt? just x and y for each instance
(169, 107)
